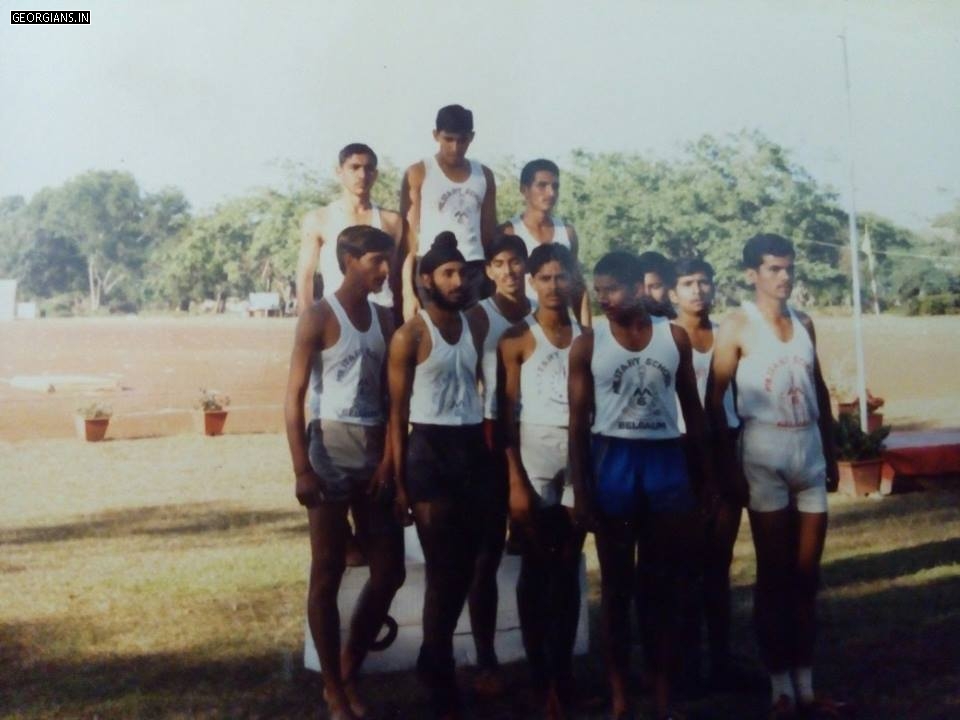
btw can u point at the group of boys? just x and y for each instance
(496, 398)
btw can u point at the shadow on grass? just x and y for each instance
(158, 520)
(943, 503)
(156, 685)
(889, 564)
(896, 651)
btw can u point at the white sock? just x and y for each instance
(803, 679)
(781, 684)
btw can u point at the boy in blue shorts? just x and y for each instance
(629, 468)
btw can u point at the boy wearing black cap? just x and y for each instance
(442, 466)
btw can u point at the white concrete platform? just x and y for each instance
(407, 611)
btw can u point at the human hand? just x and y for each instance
(307, 489)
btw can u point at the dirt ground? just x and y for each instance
(161, 363)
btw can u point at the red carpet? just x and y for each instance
(920, 452)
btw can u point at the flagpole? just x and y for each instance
(854, 250)
(871, 263)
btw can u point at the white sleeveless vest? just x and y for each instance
(560, 236)
(497, 326)
(346, 378)
(635, 392)
(327, 264)
(445, 384)
(701, 367)
(775, 380)
(449, 205)
(543, 379)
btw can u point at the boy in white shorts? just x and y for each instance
(534, 414)
(786, 452)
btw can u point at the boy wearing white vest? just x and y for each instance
(536, 225)
(442, 467)
(357, 172)
(634, 479)
(447, 192)
(786, 453)
(535, 358)
(657, 280)
(341, 461)
(508, 305)
(692, 294)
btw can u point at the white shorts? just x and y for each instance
(784, 465)
(344, 456)
(543, 451)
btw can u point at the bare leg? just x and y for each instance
(563, 605)
(722, 534)
(671, 540)
(384, 546)
(773, 540)
(531, 601)
(449, 546)
(328, 532)
(615, 551)
(811, 534)
(483, 590)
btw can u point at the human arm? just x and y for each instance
(401, 365)
(410, 206)
(581, 298)
(395, 226)
(307, 341)
(488, 211)
(580, 396)
(723, 369)
(311, 238)
(825, 421)
(700, 465)
(510, 357)
(382, 480)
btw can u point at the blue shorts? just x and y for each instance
(634, 476)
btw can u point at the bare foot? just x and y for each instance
(619, 706)
(338, 708)
(488, 684)
(355, 556)
(554, 708)
(357, 706)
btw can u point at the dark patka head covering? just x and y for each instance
(443, 250)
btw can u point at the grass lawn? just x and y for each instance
(166, 578)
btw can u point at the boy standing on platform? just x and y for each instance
(535, 415)
(442, 467)
(506, 265)
(357, 173)
(536, 225)
(340, 459)
(447, 192)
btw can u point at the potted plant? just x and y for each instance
(848, 402)
(874, 403)
(859, 455)
(212, 404)
(91, 421)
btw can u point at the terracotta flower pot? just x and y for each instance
(213, 422)
(91, 430)
(859, 477)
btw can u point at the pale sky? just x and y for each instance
(209, 97)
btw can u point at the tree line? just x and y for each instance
(100, 242)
